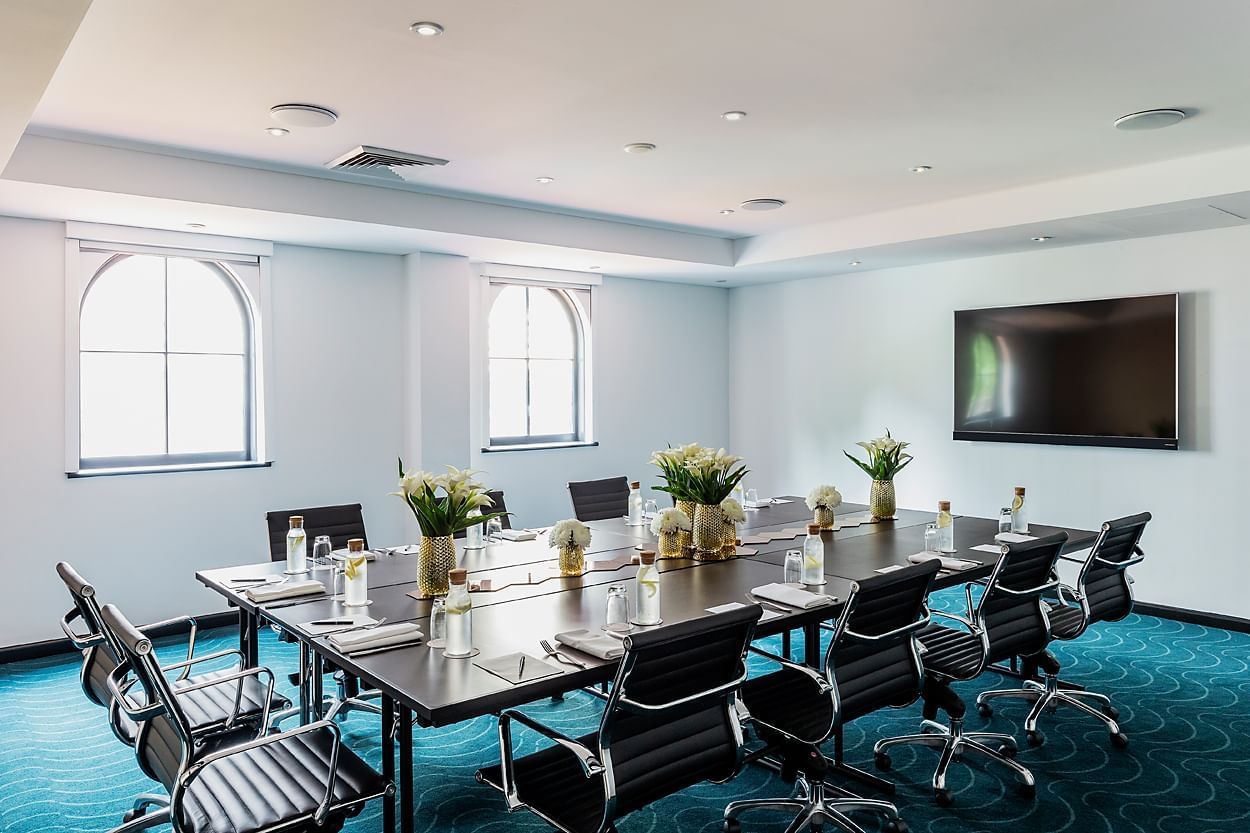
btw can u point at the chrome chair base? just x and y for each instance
(814, 808)
(953, 743)
(140, 817)
(1048, 696)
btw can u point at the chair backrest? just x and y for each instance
(670, 721)
(164, 744)
(596, 500)
(99, 654)
(1103, 581)
(1011, 611)
(873, 659)
(339, 522)
(498, 505)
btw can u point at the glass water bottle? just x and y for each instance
(356, 574)
(1019, 517)
(296, 547)
(459, 615)
(635, 503)
(946, 527)
(473, 534)
(648, 589)
(813, 556)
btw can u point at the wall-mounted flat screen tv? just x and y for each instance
(1100, 372)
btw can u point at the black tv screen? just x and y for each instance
(1080, 373)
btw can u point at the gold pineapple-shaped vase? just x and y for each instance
(572, 560)
(824, 517)
(882, 502)
(685, 538)
(709, 532)
(436, 557)
(670, 544)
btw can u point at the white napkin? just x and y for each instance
(994, 548)
(725, 608)
(589, 642)
(518, 535)
(379, 637)
(286, 590)
(1014, 537)
(947, 562)
(788, 594)
(757, 504)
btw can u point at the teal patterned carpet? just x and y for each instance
(1183, 692)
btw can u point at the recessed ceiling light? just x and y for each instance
(277, 131)
(921, 169)
(544, 180)
(1041, 238)
(639, 147)
(1150, 119)
(764, 204)
(726, 211)
(304, 115)
(426, 29)
(195, 225)
(734, 115)
(855, 263)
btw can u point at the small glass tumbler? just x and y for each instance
(616, 619)
(321, 552)
(650, 509)
(494, 529)
(932, 538)
(1004, 520)
(752, 496)
(794, 567)
(438, 623)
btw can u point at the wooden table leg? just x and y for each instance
(388, 761)
(408, 805)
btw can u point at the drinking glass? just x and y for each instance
(753, 497)
(494, 529)
(931, 538)
(321, 552)
(438, 623)
(1004, 520)
(794, 567)
(650, 509)
(616, 620)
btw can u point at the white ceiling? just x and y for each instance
(843, 96)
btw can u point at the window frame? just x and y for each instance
(244, 264)
(579, 299)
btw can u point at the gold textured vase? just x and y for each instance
(685, 538)
(881, 499)
(572, 560)
(670, 544)
(824, 517)
(709, 532)
(436, 557)
(729, 541)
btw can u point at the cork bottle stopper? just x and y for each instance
(297, 521)
(647, 556)
(944, 506)
(355, 544)
(1020, 491)
(813, 529)
(635, 484)
(458, 576)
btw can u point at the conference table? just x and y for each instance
(521, 600)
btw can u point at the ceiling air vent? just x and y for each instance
(373, 161)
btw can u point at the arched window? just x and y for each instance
(166, 364)
(537, 368)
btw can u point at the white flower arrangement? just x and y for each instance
(732, 510)
(697, 473)
(569, 533)
(453, 510)
(670, 520)
(886, 457)
(824, 496)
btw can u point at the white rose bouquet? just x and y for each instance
(732, 510)
(669, 521)
(569, 533)
(442, 503)
(825, 497)
(886, 457)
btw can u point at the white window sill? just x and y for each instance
(492, 449)
(102, 472)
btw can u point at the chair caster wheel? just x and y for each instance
(1007, 750)
(985, 709)
(899, 826)
(732, 826)
(1111, 712)
(1035, 738)
(882, 761)
(1119, 740)
(943, 798)
(1027, 791)
(133, 814)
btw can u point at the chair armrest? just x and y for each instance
(323, 807)
(1071, 559)
(186, 663)
(193, 632)
(239, 677)
(810, 673)
(586, 758)
(118, 685)
(967, 623)
(1064, 591)
(80, 641)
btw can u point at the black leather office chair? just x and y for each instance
(872, 663)
(303, 779)
(210, 710)
(498, 505)
(1008, 620)
(596, 500)
(1103, 593)
(669, 722)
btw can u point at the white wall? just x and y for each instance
(823, 363)
(335, 425)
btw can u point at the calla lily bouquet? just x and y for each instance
(443, 503)
(886, 457)
(698, 474)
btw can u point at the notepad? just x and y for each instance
(1014, 537)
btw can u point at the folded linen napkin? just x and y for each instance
(792, 596)
(590, 642)
(518, 535)
(364, 640)
(286, 590)
(948, 563)
(1014, 537)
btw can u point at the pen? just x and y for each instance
(520, 672)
